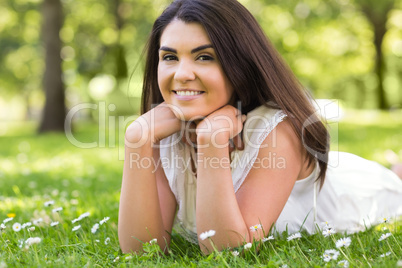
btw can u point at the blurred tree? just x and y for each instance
(376, 13)
(54, 111)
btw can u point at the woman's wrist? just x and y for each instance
(216, 139)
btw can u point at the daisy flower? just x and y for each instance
(26, 225)
(31, 229)
(36, 222)
(117, 259)
(207, 234)
(384, 220)
(326, 225)
(17, 227)
(104, 220)
(83, 215)
(54, 223)
(330, 254)
(235, 253)
(384, 236)
(128, 258)
(33, 240)
(8, 219)
(153, 241)
(95, 228)
(75, 228)
(343, 263)
(294, 236)
(385, 254)
(343, 242)
(2, 226)
(248, 246)
(265, 239)
(254, 228)
(107, 240)
(328, 232)
(75, 220)
(49, 203)
(57, 209)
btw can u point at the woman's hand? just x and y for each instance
(155, 125)
(221, 127)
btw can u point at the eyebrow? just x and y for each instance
(169, 49)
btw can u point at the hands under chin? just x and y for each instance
(221, 128)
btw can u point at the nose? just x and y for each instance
(184, 72)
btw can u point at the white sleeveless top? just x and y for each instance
(355, 194)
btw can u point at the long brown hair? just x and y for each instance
(255, 69)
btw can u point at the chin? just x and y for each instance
(189, 116)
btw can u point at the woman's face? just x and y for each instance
(190, 77)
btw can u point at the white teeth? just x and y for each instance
(188, 93)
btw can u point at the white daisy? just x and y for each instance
(36, 222)
(95, 228)
(153, 241)
(8, 219)
(248, 246)
(104, 220)
(384, 220)
(384, 236)
(33, 240)
(325, 225)
(128, 257)
(254, 228)
(343, 263)
(265, 239)
(31, 229)
(17, 227)
(385, 254)
(2, 226)
(294, 236)
(75, 220)
(26, 225)
(207, 234)
(328, 232)
(83, 215)
(107, 240)
(57, 209)
(75, 228)
(235, 253)
(54, 223)
(49, 203)
(343, 242)
(117, 259)
(330, 254)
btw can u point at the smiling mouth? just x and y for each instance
(187, 92)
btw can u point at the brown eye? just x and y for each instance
(205, 58)
(169, 58)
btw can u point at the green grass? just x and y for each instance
(38, 168)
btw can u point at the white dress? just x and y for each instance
(355, 195)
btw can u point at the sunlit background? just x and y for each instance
(328, 44)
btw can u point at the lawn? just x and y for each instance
(75, 193)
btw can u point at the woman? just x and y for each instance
(209, 67)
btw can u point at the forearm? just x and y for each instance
(217, 207)
(140, 216)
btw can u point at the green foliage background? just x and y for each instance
(328, 44)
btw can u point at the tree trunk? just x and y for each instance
(378, 19)
(54, 111)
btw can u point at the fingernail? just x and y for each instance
(243, 118)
